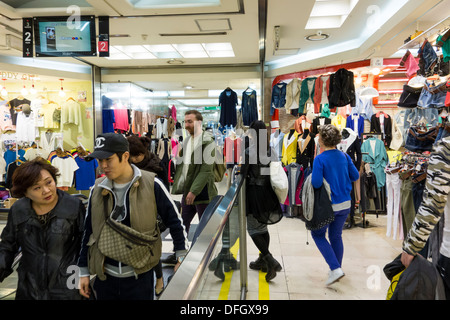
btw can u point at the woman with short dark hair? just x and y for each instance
(46, 225)
(337, 168)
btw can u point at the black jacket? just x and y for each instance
(47, 249)
(342, 89)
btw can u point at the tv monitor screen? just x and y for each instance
(61, 37)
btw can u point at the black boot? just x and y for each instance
(259, 264)
(272, 266)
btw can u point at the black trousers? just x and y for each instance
(129, 288)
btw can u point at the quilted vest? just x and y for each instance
(141, 208)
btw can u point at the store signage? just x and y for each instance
(103, 36)
(212, 108)
(27, 36)
(17, 76)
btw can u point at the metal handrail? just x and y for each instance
(186, 280)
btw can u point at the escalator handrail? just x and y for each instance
(175, 290)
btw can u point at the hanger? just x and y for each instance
(71, 99)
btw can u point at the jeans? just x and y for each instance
(432, 100)
(428, 54)
(129, 288)
(332, 251)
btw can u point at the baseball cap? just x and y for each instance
(107, 144)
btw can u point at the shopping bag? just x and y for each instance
(278, 180)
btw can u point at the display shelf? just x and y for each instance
(430, 34)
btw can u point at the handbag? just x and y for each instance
(279, 180)
(323, 213)
(127, 245)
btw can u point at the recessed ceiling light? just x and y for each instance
(319, 36)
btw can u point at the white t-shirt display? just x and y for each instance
(67, 167)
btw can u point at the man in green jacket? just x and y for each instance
(194, 177)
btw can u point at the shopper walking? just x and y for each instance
(194, 176)
(262, 204)
(46, 226)
(435, 205)
(142, 158)
(337, 168)
(133, 197)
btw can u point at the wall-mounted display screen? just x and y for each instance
(65, 36)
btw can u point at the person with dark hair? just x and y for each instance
(46, 225)
(133, 198)
(262, 204)
(338, 170)
(142, 158)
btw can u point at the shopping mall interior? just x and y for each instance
(156, 59)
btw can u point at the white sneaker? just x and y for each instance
(334, 275)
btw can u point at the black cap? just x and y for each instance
(107, 144)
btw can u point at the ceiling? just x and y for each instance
(371, 29)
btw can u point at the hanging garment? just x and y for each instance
(293, 94)
(228, 102)
(339, 122)
(363, 106)
(356, 123)
(381, 123)
(278, 100)
(25, 127)
(289, 151)
(317, 122)
(161, 128)
(249, 108)
(306, 94)
(342, 89)
(351, 145)
(306, 148)
(393, 206)
(67, 167)
(409, 62)
(16, 106)
(85, 174)
(295, 180)
(232, 151)
(121, 118)
(321, 91)
(5, 117)
(374, 153)
(276, 143)
(47, 143)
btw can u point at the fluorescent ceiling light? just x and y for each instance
(194, 54)
(142, 55)
(173, 51)
(189, 47)
(218, 46)
(131, 49)
(221, 54)
(159, 48)
(330, 14)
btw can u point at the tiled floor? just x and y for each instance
(304, 272)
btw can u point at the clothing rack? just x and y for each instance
(364, 136)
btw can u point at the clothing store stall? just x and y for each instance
(47, 117)
(132, 110)
(389, 119)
